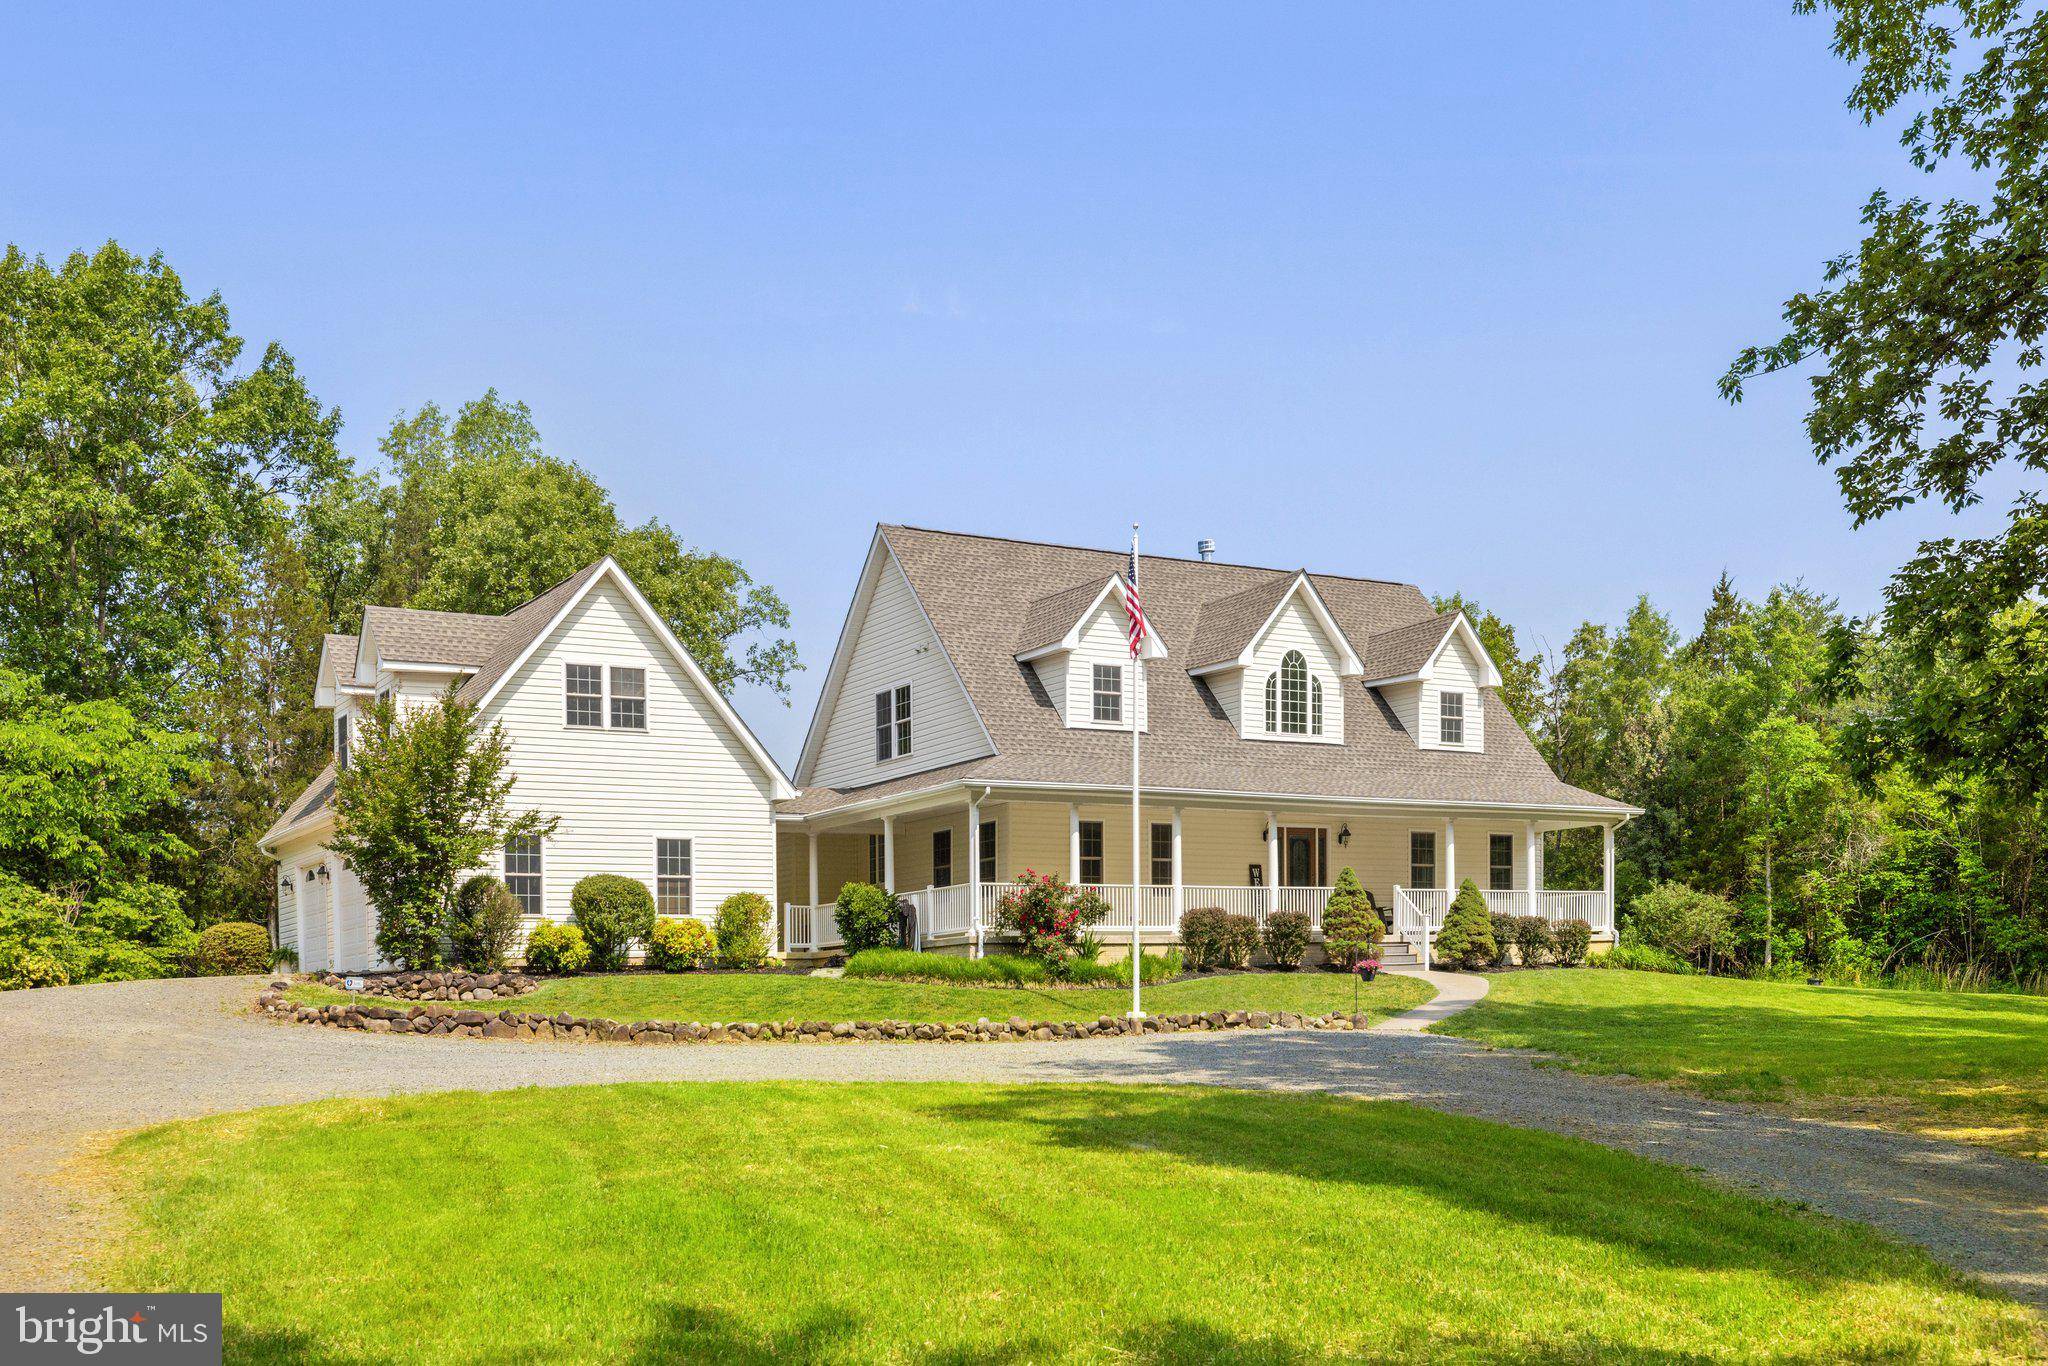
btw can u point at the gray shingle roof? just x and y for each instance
(977, 589)
(342, 650)
(1405, 649)
(1047, 621)
(318, 794)
(1225, 626)
(413, 636)
(519, 628)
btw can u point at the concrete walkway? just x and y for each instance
(79, 1061)
(1455, 991)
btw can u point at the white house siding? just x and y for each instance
(686, 776)
(1102, 640)
(1405, 699)
(1293, 629)
(1457, 670)
(288, 914)
(1052, 676)
(895, 644)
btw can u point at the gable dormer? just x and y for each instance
(1275, 660)
(1076, 641)
(1431, 673)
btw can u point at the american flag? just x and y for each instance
(1134, 607)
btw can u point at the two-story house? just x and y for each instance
(612, 727)
(975, 724)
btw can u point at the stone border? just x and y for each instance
(433, 986)
(512, 1024)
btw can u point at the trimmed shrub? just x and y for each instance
(1640, 957)
(231, 949)
(614, 913)
(1466, 939)
(1352, 927)
(1240, 940)
(1503, 936)
(554, 947)
(867, 917)
(680, 945)
(1535, 941)
(1201, 937)
(485, 924)
(1287, 938)
(741, 930)
(1574, 938)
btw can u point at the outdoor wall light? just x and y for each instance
(324, 875)
(1343, 834)
(284, 883)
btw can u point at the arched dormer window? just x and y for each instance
(1272, 703)
(1294, 699)
(1315, 706)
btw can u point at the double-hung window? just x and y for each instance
(892, 723)
(1450, 718)
(1500, 862)
(629, 698)
(988, 851)
(1422, 858)
(584, 694)
(523, 872)
(942, 858)
(1162, 854)
(672, 862)
(1109, 693)
(1091, 852)
(878, 858)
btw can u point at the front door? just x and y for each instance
(1303, 858)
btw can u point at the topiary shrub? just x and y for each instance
(555, 947)
(741, 930)
(1503, 936)
(1535, 941)
(1352, 927)
(1201, 937)
(1287, 938)
(1574, 938)
(1240, 941)
(614, 913)
(867, 917)
(1466, 940)
(680, 945)
(485, 924)
(232, 949)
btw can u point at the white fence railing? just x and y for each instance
(810, 929)
(1554, 906)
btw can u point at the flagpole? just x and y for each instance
(1137, 725)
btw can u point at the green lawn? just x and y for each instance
(1967, 1066)
(725, 997)
(941, 1223)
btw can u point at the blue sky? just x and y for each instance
(1436, 293)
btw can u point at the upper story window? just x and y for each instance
(523, 873)
(1500, 862)
(629, 698)
(672, 860)
(892, 723)
(1450, 718)
(584, 694)
(341, 742)
(1422, 858)
(1294, 700)
(1109, 692)
(1091, 852)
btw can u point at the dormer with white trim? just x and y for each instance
(1431, 673)
(1275, 660)
(1077, 643)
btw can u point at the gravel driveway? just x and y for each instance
(79, 1061)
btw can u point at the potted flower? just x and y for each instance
(1368, 968)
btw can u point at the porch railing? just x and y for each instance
(810, 929)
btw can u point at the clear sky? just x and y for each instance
(1429, 292)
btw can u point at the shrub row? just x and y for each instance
(1535, 940)
(1003, 969)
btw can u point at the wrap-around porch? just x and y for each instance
(952, 857)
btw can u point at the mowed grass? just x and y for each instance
(1966, 1066)
(799, 1222)
(723, 997)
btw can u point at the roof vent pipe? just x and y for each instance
(1206, 548)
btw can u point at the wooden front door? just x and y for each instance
(1304, 857)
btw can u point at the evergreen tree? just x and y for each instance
(1466, 939)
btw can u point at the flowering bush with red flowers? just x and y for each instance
(1048, 915)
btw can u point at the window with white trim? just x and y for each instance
(1315, 706)
(1450, 718)
(1272, 703)
(988, 851)
(1500, 862)
(1293, 694)
(942, 858)
(878, 856)
(629, 698)
(673, 862)
(583, 686)
(1091, 852)
(1422, 858)
(1162, 854)
(523, 872)
(892, 723)
(1109, 692)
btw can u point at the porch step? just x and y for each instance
(1397, 953)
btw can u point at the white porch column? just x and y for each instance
(1533, 857)
(1178, 879)
(974, 870)
(1272, 859)
(1450, 856)
(814, 867)
(1607, 869)
(889, 853)
(1074, 844)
